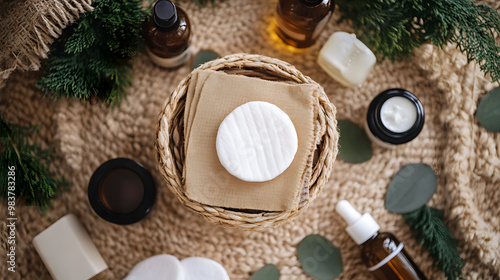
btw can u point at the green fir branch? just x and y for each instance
(92, 57)
(394, 28)
(433, 233)
(33, 181)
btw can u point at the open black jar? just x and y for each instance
(121, 191)
(394, 117)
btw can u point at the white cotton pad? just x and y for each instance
(159, 267)
(256, 142)
(197, 268)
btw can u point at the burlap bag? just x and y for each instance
(28, 27)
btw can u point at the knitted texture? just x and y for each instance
(464, 155)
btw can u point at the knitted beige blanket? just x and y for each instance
(85, 134)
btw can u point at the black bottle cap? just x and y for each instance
(140, 177)
(378, 129)
(164, 14)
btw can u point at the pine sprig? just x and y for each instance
(433, 233)
(92, 56)
(394, 28)
(33, 181)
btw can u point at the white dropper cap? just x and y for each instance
(360, 227)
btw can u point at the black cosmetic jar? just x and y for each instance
(121, 191)
(380, 133)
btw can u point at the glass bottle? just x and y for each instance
(382, 253)
(168, 35)
(299, 22)
(400, 266)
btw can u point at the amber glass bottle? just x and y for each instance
(382, 253)
(168, 35)
(383, 245)
(299, 22)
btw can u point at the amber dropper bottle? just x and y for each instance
(301, 21)
(382, 253)
(168, 35)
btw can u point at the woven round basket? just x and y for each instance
(171, 153)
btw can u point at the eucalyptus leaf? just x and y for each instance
(354, 145)
(204, 56)
(410, 188)
(267, 272)
(488, 111)
(319, 257)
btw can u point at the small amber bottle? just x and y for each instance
(299, 22)
(168, 35)
(382, 253)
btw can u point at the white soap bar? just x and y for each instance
(346, 59)
(67, 250)
(197, 268)
(159, 267)
(256, 142)
(398, 114)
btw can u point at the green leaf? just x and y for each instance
(267, 272)
(354, 145)
(319, 257)
(488, 111)
(410, 188)
(204, 56)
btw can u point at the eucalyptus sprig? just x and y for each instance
(428, 224)
(394, 28)
(32, 180)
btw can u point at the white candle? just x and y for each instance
(398, 114)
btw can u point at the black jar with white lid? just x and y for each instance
(121, 191)
(394, 117)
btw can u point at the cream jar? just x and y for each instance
(121, 191)
(394, 117)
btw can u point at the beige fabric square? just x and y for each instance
(215, 95)
(196, 83)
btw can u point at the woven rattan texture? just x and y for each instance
(464, 155)
(170, 143)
